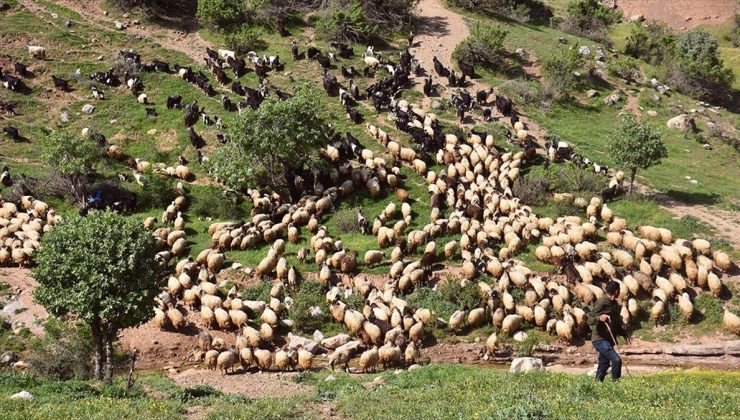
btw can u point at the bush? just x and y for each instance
(158, 193)
(520, 10)
(560, 71)
(68, 389)
(572, 179)
(590, 19)
(650, 42)
(484, 46)
(426, 297)
(696, 67)
(309, 295)
(244, 40)
(734, 36)
(532, 191)
(348, 23)
(347, 221)
(212, 202)
(220, 13)
(465, 297)
(198, 391)
(65, 352)
(635, 145)
(625, 67)
(529, 93)
(260, 291)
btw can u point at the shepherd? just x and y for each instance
(605, 321)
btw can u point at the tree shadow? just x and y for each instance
(432, 26)
(695, 197)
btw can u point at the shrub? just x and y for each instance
(309, 295)
(68, 389)
(526, 348)
(484, 46)
(347, 221)
(70, 155)
(199, 391)
(572, 179)
(532, 191)
(624, 67)
(244, 40)
(260, 291)
(635, 145)
(220, 13)
(348, 23)
(529, 93)
(65, 352)
(520, 10)
(465, 297)
(734, 36)
(426, 297)
(696, 67)
(212, 202)
(158, 193)
(560, 71)
(650, 42)
(590, 19)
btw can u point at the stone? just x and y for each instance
(414, 367)
(612, 99)
(8, 357)
(64, 117)
(682, 122)
(521, 53)
(330, 378)
(88, 109)
(295, 341)
(125, 15)
(652, 113)
(441, 323)
(526, 365)
(520, 336)
(21, 365)
(592, 371)
(584, 50)
(637, 18)
(100, 58)
(696, 350)
(119, 25)
(351, 347)
(436, 104)
(315, 312)
(153, 132)
(333, 343)
(592, 92)
(318, 336)
(23, 395)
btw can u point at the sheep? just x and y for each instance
(339, 357)
(226, 360)
(389, 355)
(264, 359)
(511, 324)
(373, 257)
(204, 341)
(211, 359)
(176, 318)
(731, 322)
(369, 360)
(687, 308)
(37, 52)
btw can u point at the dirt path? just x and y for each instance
(726, 224)
(679, 14)
(21, 308)
(187, 41)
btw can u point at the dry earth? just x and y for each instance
(681, 14)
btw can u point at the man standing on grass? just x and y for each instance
(606, 325)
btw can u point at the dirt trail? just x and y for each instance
(187, 41)
(680, 14)
(726, 224)
(21, 308)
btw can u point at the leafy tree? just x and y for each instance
(560, 71)
(70, 155)
(625, 67)
(589, 18)
(346, 24)
(635, 145)
(269, 143)
(100, 269)
(484, 45)
(697, 68)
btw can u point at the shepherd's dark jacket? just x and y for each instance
(598, 329)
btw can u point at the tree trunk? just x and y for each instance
(108, 367)
(632, 179)
(99, 349)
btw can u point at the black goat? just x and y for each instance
(466, 69)
(161, 66)
(151, 113)
(195, 139)
(12, 132)
(5, 179)
(13, 83)
(504, 105)
(353, 115)
(428, 86)
(174, 102)
(60, 83)
(312, 53)
(324, 61)
(20, 69)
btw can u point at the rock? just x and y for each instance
(100, 58)
(315, 312)
(286, 323)
(20, 365)
(592, 371)
(441, 323)
(318, 336)
(88, 109)
(153, 132)
(584, 50)
(414, 367)
(288, 301)
(652, 113)
(119, 25)
(64, 117)
(54, 15)
(521, 53)
(8, 357)
(520, 336)
(526, 365)
(105, 13)
(333, 343)
(592, 92)
(562, 40)
(682, 122)
(256, 306)
(612, 99)
(696, 350)
(436, 104)
(23, 395)
(126, 15)
(294, 341)
(637, 18)
(330, 378)
(173, 371)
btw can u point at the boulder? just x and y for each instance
(294, 341)
(8, 358)
(520, 336)
(526, 365)
(315, 312)
(637, 18)
(584, 50)
(351, 347)
(88, 109)
(332, 343)
(23, 395)
(652, 113)
(612, 99)
(120, 25)
(318, 336)
(682, 122)
(592, 92)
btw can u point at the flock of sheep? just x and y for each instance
(471, 201)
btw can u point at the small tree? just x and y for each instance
(269, 143)
(220, 14)
(100, 269)
(560, 71)
(635, 145)
(72, 158)
(589, 18)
